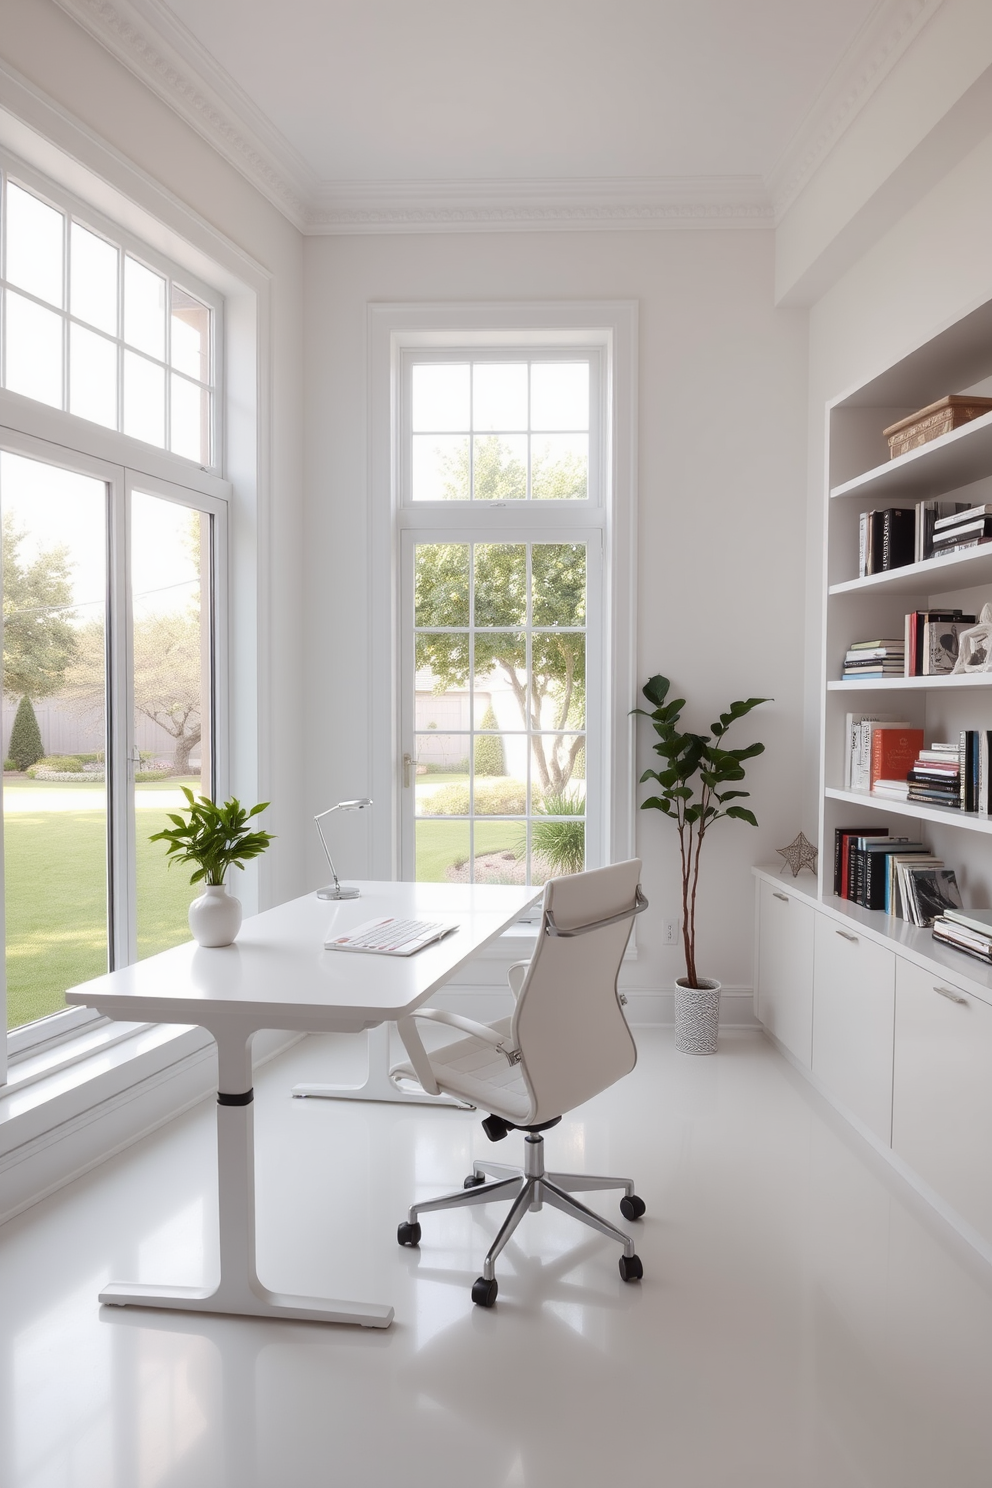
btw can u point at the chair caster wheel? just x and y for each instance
(474, 1180)
(408, 1234)
(484, 1292)
(632, 1207)
(630, 1268)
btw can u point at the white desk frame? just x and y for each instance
(278, 975)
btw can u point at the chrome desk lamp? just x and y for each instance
(337, 890)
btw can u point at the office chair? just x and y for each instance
(566, 1041)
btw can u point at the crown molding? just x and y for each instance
(163, 53)
(886, 35)
(546, 205)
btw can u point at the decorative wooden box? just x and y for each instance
(933, 421)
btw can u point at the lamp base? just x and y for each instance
(342, 891)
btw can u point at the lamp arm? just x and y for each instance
(323, 843)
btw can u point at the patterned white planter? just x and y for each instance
(697, 1017)
(215, 918)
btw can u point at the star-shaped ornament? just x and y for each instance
(799, 854)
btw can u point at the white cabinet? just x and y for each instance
(853, 1006)
(942, 1093)
(784, 972)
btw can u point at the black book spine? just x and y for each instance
(876, 520)
(897, 537)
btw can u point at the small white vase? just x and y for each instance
(215, 918)
(697, 1017)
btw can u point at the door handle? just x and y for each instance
(846, 935)
(951, 996)
(776, 895)
(407, 767)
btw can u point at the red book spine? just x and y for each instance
(893, 753)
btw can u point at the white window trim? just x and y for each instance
(391, 329)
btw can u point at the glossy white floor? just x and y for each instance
(803, 1322)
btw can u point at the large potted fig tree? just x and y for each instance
(697, 785)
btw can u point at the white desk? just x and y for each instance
(278, 975)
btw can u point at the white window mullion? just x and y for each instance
(120, 729)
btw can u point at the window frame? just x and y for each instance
(515, 328)
(128, 244)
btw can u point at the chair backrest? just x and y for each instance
(568, 1023)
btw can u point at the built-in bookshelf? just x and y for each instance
(860, 477)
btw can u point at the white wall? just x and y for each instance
(721, 518)
(177, 177)
(927, 271)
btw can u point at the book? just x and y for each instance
(892, 790)
(883, 645)
(894, 904)
(982, 527)
(928, 513)
(875, 875)
(898, 537)
(952, 520)
(939, 646)
(842, 835)
(932, 891)
(950, 934)
(893, 753)
(979, 920)
(860, 850)
(915, 621)
(961, 547)
(861, 763)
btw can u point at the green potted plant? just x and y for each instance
(214, 838)
(696, 786)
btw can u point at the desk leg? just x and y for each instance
(378, 1085)
(239, 1291)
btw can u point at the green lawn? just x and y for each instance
(56, 903)
(441, 844)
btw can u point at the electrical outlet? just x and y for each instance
(671, 932)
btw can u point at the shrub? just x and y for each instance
(9, 764)
(499, 797)
(490, 757)
(25, 746)
(60, 764)
(562, 844)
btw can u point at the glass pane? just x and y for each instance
(560, 470)
(144, 399)
(171, 640)
(499, 396)
(558, 580)
(500, 852)
(34, 350)
(54, 707)
(144, 308)
(440, 398)
(441, 759)
(500, 691)
(190, 335)
(440, 467)
(500, 467)
(497, 795)
(500, 585)
(558, 677)
(557, 848)
(441, 578)
(93, 268)
(34, 245)
(558, 774)
(559, 395)
(189, 420)
(443, 851)
(92, 376)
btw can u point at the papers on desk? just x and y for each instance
(390, 936)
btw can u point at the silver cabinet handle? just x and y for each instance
(846, 935)
(951, 996)
(776, 895)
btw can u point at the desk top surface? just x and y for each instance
(277, 974)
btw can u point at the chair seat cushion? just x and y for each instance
(473, 1069)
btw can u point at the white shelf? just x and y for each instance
(936, 575)
(912, 684)
(970, 821)
(956, 459)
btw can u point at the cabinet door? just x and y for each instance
(942, 1091)
(853, 1012)
(784, 973)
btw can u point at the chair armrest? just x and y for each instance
(413, 1044)
(482, 1031)
(515, 976)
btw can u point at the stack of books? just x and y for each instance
(968, 930)
(886, 539)
(928, 514)
(931, 641)
(881, 658)
(961, 530)
(935, 778)
(894, 874)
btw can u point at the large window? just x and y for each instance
(100, 328)
(112, 588)
(503, 508)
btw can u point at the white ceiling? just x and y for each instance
(388, 90)
(362, 114)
